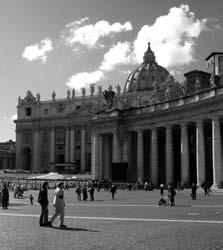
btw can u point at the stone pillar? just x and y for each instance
(200, 158)
(102, 156)
(72, 145)
(116, 149)
(216, 151)
(52, 145)
(83, 150)
(169, 155)
(154, 156)
(67, 145)
(184, 155)
(140, 155)
(95, 157)
(36, 150)
(18, 164)
(5, 163)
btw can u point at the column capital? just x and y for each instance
(154, 128)
(169, 126)
(139, 130)
(199, 123)
(184, 124)
(215, 118)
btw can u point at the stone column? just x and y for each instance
(154, 156)
(67, 145)
(169, 155)
(72, 145)
(200, 158)
(52, 145)
(36, 150)
(116, 149)
(216, 151)
(18, 164)
(95, 157)
(5, 163)
(83, 149)
(140, 155)
(184, 154)
(101, 141)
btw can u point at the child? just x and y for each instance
(31, 199)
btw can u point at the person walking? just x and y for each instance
(5, 196)
(59, 204)
(171, 195)
(161, 189)
(113, 191)
(194, 191)
(84, 192)
(91, 192)
(78, 192)
(31, 198)
(43, 201)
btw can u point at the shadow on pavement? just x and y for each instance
(75, 229)
(16, 204)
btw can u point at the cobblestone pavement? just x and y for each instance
(132, 221)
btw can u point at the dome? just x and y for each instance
(146, 75)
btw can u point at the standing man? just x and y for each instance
(43, 201)
(5, 196)
(59, 204)
(194, 191)
(78, 192)
(113, 191)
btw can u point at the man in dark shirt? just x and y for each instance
(43, 201)
(5, 197)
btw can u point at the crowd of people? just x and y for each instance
(85, 191)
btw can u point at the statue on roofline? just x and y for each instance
(38, 97)
(92, 89)
(73, 93)
(68, 94)
(83, 90)
(100, 90)
(118, 88)
(109, 97)
(53, 96)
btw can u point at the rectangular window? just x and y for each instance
(28, 111)
(46, 111)
(60, 110)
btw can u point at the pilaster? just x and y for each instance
(200, 158)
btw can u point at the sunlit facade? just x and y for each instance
(155, 129)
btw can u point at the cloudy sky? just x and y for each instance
(54, 45)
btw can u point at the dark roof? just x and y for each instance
(196, 71)
(212, 54)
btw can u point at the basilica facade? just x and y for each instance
(155, 129)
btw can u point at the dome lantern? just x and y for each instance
(149, 56)
(146, 75)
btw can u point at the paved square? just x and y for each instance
(132, 221)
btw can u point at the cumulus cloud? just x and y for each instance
(172, 38)
(14, 117)
(38, 51)
(89, 35)
(83, 79)
(118, 54)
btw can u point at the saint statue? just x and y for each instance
(83, 90)
(68, 94)
(53, 96)
(92, 89)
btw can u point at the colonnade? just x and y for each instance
(70, 147)
(169, 152)
(7, 162)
